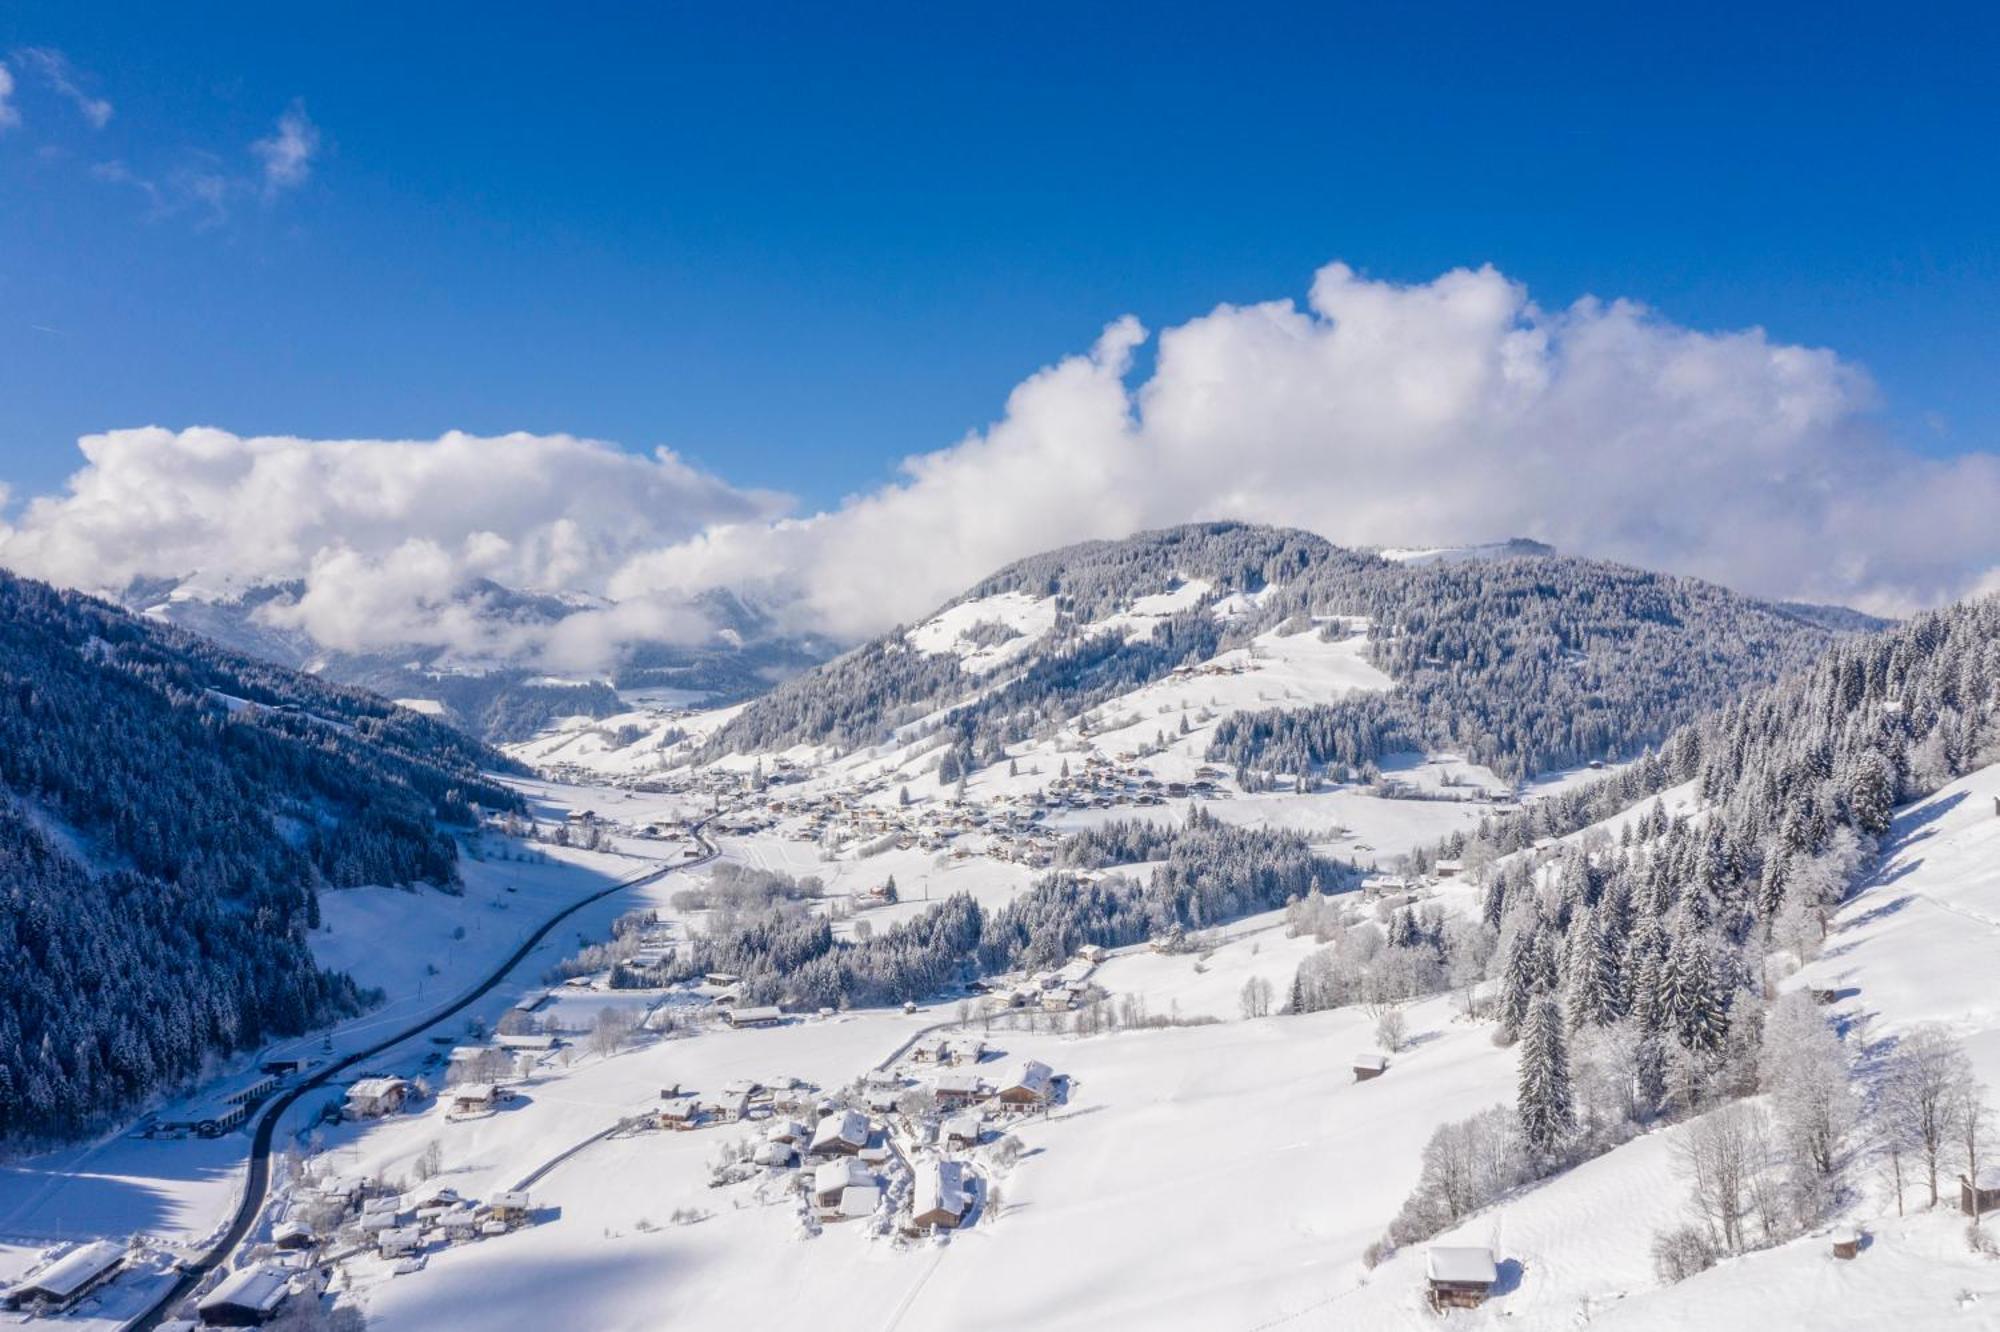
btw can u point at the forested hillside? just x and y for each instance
(168, 811)
(1524, 664)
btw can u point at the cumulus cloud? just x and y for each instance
(57, 72)
(388, 536)
(1455, 410)
(287, 153)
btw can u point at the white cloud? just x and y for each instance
(1380, 413)
(1455, 410)
(288, 152)
(385, 533)
(10, 115)
(56, 71)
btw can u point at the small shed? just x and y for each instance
(292, 1235)
(1458, 1277)
(1846, 1243)
(1980, 1194)
(248, 1297)
(1370, 1065)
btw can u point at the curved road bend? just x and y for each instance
(257, 1183)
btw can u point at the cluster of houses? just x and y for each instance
(405, 1227)
(745, 1099)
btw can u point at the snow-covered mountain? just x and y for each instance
(1524, 660)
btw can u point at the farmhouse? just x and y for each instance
(859, 1201)
(1032, 1084)
(246, 1298)
(371, 1098)
(940, 1197)
(834, 1178)
(475, 1098)
(953, 1089)
(69, 1278)
(510, 1208)
(754, 1017)
(399, 1241)
(1370, 1065)
(842, 1133)
(963, 1130)
(1980, 1194)
(1458, 1278)
(680, 1112)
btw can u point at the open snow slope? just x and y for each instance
(1200, 1177)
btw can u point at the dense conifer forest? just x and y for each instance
(169, 811)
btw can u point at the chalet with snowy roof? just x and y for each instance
(940, 1196)
(1458, 1277)
(371, 1098)
(473, 1098)
(1372, 1064)
(857, 1203)
(292, 1235)
(1033, 1083)
(399, 1241)
(963, 1130)
(842, 1133)
(956, 1089)
(833, 1178)
(248, 1297)
(62, 1283)
(510, 1208)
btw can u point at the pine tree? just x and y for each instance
(1545, 1102)
(1693, 1008)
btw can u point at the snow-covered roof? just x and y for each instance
(259, 1288)
(956, 1084)
(940, 1186)
(845, 1126)
(860, 1200)
(1372, 1059)
(75, 1270)
(1034, 1076)
(375, 1088)
(843, 1173)
(472, 1091)
(517, 1199)
(967, 1126)
(1449, 1263)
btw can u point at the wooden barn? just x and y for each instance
(1458, 1277)
(248, 1297)
(69, 1278)
(1371, 1065)
(1981, 1194)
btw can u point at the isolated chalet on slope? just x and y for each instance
(1458, 1277)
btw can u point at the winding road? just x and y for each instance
(257, 1183)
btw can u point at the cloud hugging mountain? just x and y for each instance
(1375, 413)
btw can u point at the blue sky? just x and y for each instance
(799, 244)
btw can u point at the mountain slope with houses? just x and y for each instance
(1518, 658)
